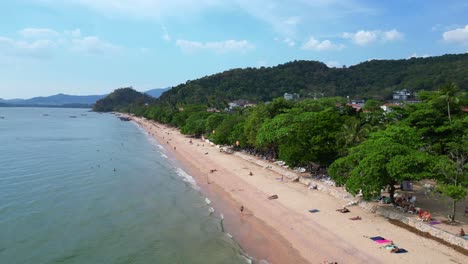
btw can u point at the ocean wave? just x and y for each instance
(186, 177)
(163, 155)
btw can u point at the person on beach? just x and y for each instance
(344, 210)
(462, 232)
(242, 209)
(250, 173)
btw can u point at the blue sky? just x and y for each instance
(94, 46)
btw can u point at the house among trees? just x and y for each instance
(401, 95)
(240, 103)
(356, 104)
(388, 107)
(293, 96)
(213, 110)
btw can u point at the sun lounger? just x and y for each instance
(434, 222)
(377, 238)
(314, 211)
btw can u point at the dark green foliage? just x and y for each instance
(224, 132)
(122, 100)
(385, 159)
(373, 79)
(195, 124)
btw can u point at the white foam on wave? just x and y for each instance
(186, 177)
(163, 155)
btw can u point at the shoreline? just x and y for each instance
(282, 230)
(257, 239)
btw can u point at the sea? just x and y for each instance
(83, 187)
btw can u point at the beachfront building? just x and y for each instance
(240, 103)
(356, 104)
(401, 95)
(293, 96)
(388, 107)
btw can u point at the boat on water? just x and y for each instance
(2, 117)
(45, 114)
(72, 116)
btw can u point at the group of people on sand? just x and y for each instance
(346, 210)
(406, 203)
(392, 247)
(424, 215)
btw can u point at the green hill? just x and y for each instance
(372, 79)
(121, 99)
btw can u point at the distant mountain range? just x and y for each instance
(68, 100)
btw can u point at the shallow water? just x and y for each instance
(94, 189)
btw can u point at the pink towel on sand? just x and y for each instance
(383, 241)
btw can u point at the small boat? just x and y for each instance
(45, 114)
(2, 117)
(72, 116)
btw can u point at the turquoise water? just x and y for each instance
(94, 189)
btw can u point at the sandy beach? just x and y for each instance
(283, 230)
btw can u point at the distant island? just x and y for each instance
(66, 101)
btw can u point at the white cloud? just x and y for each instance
(333, 64)
(458, 36)
(36, 48)
(283, 17)
(94, 45)
(140, 9)
(38, 33)
(365, 37)
(392, 35)
(414, 55)
(289, 42)
(361, 37)
(241, 46)
(314, 44)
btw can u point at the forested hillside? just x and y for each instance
(372, 79)
(121, 99)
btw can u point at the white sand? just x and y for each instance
(316, 237)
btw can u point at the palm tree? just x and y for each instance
(352, 133)
(448, 93)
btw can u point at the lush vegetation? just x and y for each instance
(123, 99)
(364, 151)
(373, 79)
